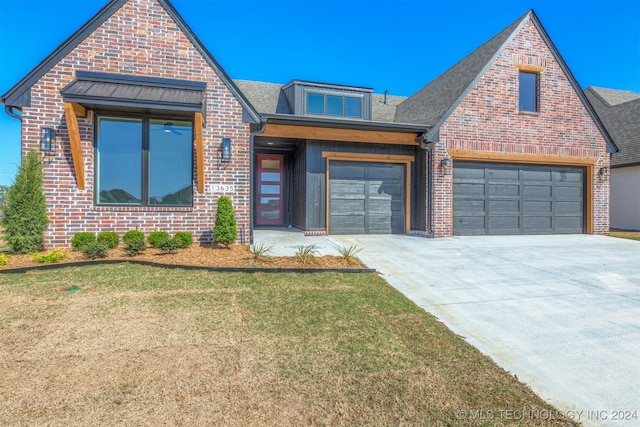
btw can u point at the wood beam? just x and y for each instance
(198, 124)
(76, 145)
(79, 109)
(335, 134)
(496, 156)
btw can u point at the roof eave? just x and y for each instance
(345, 123)
(16, 95)
(611, 146)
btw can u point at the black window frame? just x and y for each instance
(325, 96)
(536, 92)
(145, 143)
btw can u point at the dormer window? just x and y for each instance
(328, 100)
(334, 105)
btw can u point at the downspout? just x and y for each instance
(427, 145)
(263, 125)
(9, 110)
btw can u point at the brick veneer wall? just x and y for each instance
(139, 39)
(488, 119)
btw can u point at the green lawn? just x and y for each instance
(135, 345)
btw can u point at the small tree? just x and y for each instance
(225, 229)
(23, 205)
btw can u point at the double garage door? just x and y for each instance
(493, 198)
(366, 198)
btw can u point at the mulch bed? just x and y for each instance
(233, 257)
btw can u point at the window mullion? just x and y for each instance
(145, 161)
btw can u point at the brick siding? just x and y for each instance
(488, 119)
(140, 39)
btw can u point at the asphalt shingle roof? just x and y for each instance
(268, 98)
(619, 111)
(432, 102)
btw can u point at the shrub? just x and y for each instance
(132, 235)
(348, 253)
(3, 260)
(170, 246)
(135, 246)
(225, 229)
(306, 254)
(184, 239)
(96, 250)
(49, 258)
(156, 238)
(110, 238)
(261, 252)
(24, 209)
(82, 239)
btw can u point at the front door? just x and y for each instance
(270, 171)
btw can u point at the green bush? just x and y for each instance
(24, 219)
(225, 229)
(110, 238)
(132, 235)
(184, 239)
(135, 246)
(3, 260)
(96, 250)
(49, 258)
(156, 238)
(82, 239)
(170, 246)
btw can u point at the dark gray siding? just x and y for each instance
(315, 197)
(491, 198)
(299, 186)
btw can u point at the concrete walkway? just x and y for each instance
(286, 241)
(560, 312)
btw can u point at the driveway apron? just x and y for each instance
(560, 312)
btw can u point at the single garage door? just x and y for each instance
(494, 198)
(366, 198)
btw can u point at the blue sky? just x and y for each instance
(399, 45)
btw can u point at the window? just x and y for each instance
(528, 92)
(334, 105)
(144, 162)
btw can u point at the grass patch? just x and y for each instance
(146, 345)
(625, 234)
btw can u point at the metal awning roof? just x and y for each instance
(115, 91)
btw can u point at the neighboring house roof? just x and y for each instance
(619, 110)
(433, 104)
(19, 95)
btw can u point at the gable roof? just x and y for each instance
(437, 99)
(619, 110)
(433, 104)
(19, 95)
(269, 99)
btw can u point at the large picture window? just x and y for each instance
(144, 162)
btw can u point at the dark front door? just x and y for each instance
(270, 191)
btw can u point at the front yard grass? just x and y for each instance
(138, 345)
(625, 234)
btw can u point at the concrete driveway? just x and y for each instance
(560, 312)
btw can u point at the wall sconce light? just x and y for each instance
(604, 172)
(445, 166)
(226, 150)
(48, 143)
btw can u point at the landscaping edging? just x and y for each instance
(190, 267)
